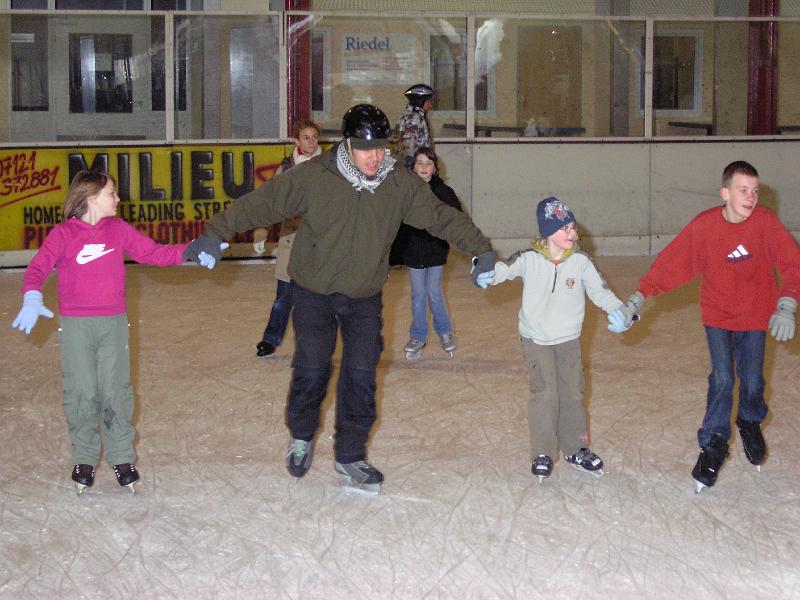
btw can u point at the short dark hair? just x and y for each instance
(427, 151)
(737, 166)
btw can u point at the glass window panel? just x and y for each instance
(100, 77)
(94, 77)
(99, 4)
(375, 60)
(789, 79)
(227, 77)
(28, 4)
(556, 78)
(683, 78)
(29, 63)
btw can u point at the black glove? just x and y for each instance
(483, 265)
(205, 243)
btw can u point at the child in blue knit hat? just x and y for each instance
(556, 278)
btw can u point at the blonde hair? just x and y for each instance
(84, 185)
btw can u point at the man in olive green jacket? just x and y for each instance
(352, 200)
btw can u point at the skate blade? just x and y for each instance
(373, 489)
(131, 489)
(413, 356)
(541, 478)
(80, 488)
(699, 486)
(596, 473)
(758, 468)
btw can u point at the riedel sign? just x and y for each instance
(375, 58)
(358, 43)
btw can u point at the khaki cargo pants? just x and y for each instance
(556, 415)
(98, 397)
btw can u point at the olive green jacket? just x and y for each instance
(342, 244)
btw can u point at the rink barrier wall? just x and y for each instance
(630, 198)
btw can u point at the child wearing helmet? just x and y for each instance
(412, 127)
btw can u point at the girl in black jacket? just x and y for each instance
(425, 257)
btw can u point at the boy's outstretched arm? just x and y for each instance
(782, 321)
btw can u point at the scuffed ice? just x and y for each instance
(460, 515)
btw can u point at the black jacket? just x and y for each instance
(420, 249)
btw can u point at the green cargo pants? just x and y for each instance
(98, 397)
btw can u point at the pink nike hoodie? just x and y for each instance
(90, 264)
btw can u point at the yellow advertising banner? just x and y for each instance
(166, 192)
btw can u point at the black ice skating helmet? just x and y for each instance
(366, 127)
(418, 94)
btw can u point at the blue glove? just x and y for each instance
(616, 321)
(483, 269)
(208, 261)
(32, 309)
(205, 243)
(782, 321)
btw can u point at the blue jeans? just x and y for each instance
(743, 350)
(279, 315)
(426, 289)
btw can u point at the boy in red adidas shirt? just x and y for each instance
(735, 249)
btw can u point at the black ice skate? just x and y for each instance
(126, 475)
(264, 349)
(755, 448)
(709, 463)
(542, 467)
(298, 457)
(586, 460)
(361, 475)
(83, 476)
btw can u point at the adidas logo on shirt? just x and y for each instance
(739, 254)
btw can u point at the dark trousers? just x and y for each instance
(733, 352)
(317, 318)
(279, 315)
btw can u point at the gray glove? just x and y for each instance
(630, 310)
(483, 269)
(209, 244)
(782, 321)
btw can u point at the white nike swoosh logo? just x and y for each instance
(87, 257)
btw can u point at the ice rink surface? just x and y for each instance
(216, 514)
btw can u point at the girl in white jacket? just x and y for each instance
(556, 278)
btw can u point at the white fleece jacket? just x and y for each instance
(553, 298)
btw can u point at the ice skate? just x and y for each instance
(448, 341)
(126, 475)
(586, 460)
(83, 476)
(298, 457)
(264, 349)
(361, 475)
(755, 448)
(709, 463)
(542, 467)
(414, 348)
